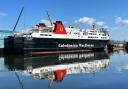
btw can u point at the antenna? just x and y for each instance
(49, 17)
(94, 26)
(18, 19)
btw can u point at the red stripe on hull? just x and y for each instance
(55, 52)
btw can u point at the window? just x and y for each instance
(41, 34)
(45, 35)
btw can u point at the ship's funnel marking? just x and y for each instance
(59, 28)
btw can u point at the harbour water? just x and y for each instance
(94, 70)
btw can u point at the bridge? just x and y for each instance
(3, 34)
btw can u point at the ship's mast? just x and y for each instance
(49, 17)
(18, 19)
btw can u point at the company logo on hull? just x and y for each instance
(75, 45)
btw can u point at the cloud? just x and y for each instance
(2, 14)
(120, 21)
(85, 20)
(105, 26)
(45, 21)
(90, 21)
(100, 23)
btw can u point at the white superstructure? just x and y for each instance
(72, 33)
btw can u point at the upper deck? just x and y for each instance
(59, 31)
(72, 33)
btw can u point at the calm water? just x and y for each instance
(97, 70)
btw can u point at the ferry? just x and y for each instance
(56, 38)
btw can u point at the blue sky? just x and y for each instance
(109, 13)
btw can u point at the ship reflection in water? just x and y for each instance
(70, 64)
(56, 67)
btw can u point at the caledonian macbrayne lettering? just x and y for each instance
(75, 45)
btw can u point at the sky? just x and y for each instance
(111, 14)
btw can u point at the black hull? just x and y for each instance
(24, 45)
